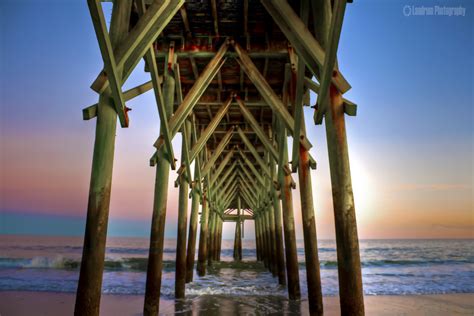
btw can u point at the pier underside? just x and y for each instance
(232, 77)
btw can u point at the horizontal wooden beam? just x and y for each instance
(276, 54)
(91, 111)
(235, 218)
(350, 108)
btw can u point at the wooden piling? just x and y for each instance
(280, 254)
(351, 294)
(313, 277)
(93, 253)
(289, 223)
(180, 276)
(191, 251)
(211, 237)
(155, 257)
(202, 255)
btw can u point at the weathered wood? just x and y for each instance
(106, 49)
(222, 165)
(180, 275)
(257, 128)
(294, 292)
(254, 152)
(313, 277)
(237, 238)
(155, 256)
(267, 92)
(327, 70)
(350, 108)
(222, 144)
(195, 93)
(280, 254)
(191, 250)
(210, 239)
(93, 252)
(348, 258)
(301, 39)
(153, 68)
(299, 87)
(349, 268)
(91, 111)
(134, 46)
(206, 134)
(202, 255)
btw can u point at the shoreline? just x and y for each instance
(50, 303)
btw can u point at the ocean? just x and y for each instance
(389, 267)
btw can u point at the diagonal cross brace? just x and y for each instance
(207, 133)
(151, 61)
(108, 57)
(200, 85)
(222, 144)
(267, 93)
(139, 39)
(328, 71)
(301, 39)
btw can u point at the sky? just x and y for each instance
(410, 145)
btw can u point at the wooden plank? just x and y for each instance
(108, 57)
(301, 39)
(329, 69)
(91, 111)
(350, 108)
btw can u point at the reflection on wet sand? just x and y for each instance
(245, 293)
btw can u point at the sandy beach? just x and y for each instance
(45, 303)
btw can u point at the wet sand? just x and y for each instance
(51, 304)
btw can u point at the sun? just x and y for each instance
(363, 187)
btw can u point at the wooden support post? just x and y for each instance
(219, 247)
(288, 221)
(210, 239)
(239, 224)
(191, 251)
(202, 255)
(180, 276)
(93, 253)
(351, 294)
(155, 256)
(257, 239)
(313, 277)
(278, 231)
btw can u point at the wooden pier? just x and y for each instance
(232, 77)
